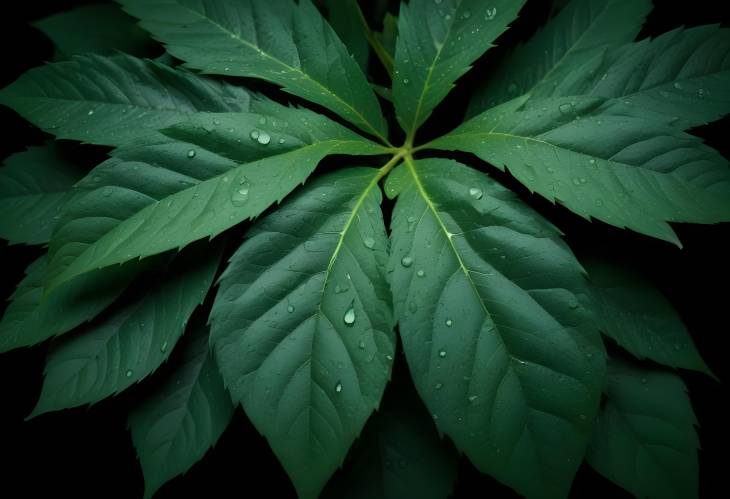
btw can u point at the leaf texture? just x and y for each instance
(499, 343)
(33, 187)
(31, 318)
(209, 207)
(302, 326)
(280, 41)
(437, 42)
(645, 440)
(185, 413)
(580, 31)
(115, 100)
(132, 340)
(635, 314)
(681, 78)
(624, 170)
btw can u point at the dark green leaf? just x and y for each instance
(184, 416)
(32, 318)
(346, 19)
(124, 346)
(33, 187)
(645, 439)
(302, 325)
(635, 314)
(280, 41)
(627, 171)
(437, 42)
(489, 303)
(682, 78)
(115, 100)
(208, 207)
(100, 28)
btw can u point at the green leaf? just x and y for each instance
(580, 31)
(101, 28)
(399, 454)
(33, 187)
(500, 346)
(188, 410)
(209, 207)
(280, 41)
(387, 38)
(302, 326)
(346, 19)
(437, 43)
(115, 100)
(124, 346)
(627, 171)
(635, 314)
(682, 78)
(32, 318)
(645, 439)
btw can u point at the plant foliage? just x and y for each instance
(207, 238)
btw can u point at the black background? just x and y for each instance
(88, 453)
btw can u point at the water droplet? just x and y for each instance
(406, 261)
(264, 138)
(361, 345)
(254, 134)
(350, 316)
(442, 353)
(240, 197)
(369, 242)
(128, 374)
(91, 112)
(467, 14)
(290, 308)
(163, 348)
(338, 387)
(438, 386)
(262, 120)
(282, 140)
(677, 85)
(405, 81)
(565, 108)
(473, 398)
(421, 273)
(476, 193)
(449, 323)
(191, 153)
(491, 14)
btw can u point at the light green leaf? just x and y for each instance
(490, 308)
(635, 314)
(124, 346)
(579, 32)
(183, 416)
(209, 207)
(115, 100)
(302, 326)
(437, 43)
(32, 318)
(627, 171)
(280, 41)
(346, 19)
(645, 440)
(399, 454)
(101, 28)
(682, 78)
(33, 187)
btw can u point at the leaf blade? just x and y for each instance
(281, 41)
(320, 342)
(437, 42)
(469, 321)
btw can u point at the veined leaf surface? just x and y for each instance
(499, 343)
(302, 325)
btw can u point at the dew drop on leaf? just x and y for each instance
(449, 323)
(349, 317)
(290, 308)
(163, 348)
(128, 374)
(442, 353)
(338, 387)
(476, 193)
(191, 153)
(361, 345)
(438, 386)
(473, 398)
(264, 138)
(240, 196)
(421, 273)
(254, 134)
(406, 261)
(369, 242)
